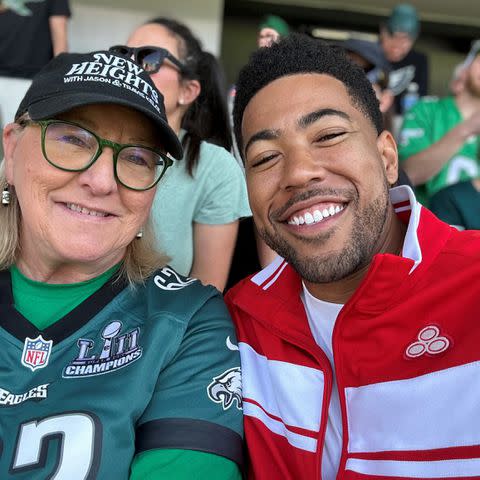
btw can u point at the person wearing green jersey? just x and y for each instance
(113, 365)
(459, 205)
(439, 142)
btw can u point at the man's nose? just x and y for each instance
(301, 168)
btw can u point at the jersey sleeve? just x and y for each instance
(415, 134)
(443, 205)
(183, 465)
(224, 198)
(197, 402)
(59, 7)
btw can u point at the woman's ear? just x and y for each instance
(387, 148)
(190, 91)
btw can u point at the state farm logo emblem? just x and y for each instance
(428, 341)
(36, 352)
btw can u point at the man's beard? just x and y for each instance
(329, 267)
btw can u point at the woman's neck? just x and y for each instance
(43, 270)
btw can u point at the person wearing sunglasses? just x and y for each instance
(206, 191)
(108, 356)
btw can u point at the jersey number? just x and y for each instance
(76, 432)
(461, 165)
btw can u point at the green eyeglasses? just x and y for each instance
(73, 148)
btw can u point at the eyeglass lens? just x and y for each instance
(71, 147)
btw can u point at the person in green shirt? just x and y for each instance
(459, 205)
(438, 143)
(113, 365)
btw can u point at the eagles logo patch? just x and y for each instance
(226, 389)
(169, 279)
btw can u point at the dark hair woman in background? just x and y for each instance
(196, 213)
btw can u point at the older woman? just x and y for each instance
(207, 190)
(112, 365)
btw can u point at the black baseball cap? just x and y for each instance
(373, 54)
(75, 79)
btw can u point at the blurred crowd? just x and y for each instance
(214, 237)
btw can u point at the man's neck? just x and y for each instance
(390, 241)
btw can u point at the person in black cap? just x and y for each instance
(408, 67)
(102, 344)
(369, 56)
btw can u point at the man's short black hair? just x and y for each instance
(297, 54)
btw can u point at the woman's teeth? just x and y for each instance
(86, 211)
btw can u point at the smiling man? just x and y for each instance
(361, 336)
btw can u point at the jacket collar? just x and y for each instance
(277, 287)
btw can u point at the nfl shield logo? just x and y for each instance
(36, 352)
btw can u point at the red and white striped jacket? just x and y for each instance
(407, 362)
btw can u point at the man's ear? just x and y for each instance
(190, 91)
(387, 148)
(11, 134)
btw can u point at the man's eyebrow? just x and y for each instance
(312, 117)
(262, 135)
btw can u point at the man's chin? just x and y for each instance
(313, 260)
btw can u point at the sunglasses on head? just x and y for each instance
(149, 58)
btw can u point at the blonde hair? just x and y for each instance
(141, 257)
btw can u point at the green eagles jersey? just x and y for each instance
(128, 370)
(458, 205)
(426, 123)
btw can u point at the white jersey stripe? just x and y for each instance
(457, 468)
(403, 209)
(299, 441)
(279, 386)
(273, 280)
(267, 272)
(409, 414)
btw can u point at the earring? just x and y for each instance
(180, 101)
(6, 196)
(140, 233)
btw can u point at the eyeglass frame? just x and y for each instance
(102, 142)
(133, 51)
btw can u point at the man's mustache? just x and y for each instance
(343, 193)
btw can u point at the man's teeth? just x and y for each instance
(86, 211)
(308, 218)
